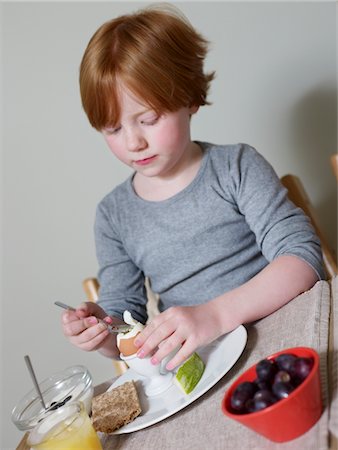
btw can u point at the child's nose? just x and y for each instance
(135, 142)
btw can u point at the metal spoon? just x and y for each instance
(35, 382)
(111, 328)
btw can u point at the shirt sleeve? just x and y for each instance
(121, 282)
(280, 227)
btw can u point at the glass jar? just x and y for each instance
(72, 384)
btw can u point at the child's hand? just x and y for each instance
(189, 326)
(82, 328)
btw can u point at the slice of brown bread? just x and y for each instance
(113, 409)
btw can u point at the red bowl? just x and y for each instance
(289, 417)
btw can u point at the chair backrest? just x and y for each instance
(334, 164)
(300, 198)
(91, 288)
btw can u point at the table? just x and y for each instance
(309, 320)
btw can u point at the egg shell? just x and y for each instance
(127, 346)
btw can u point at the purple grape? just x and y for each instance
(261, 385)
(266, 370)
(282, 376)
(263, 399)
(282, 389)
(276, 379)
(243, 392)
(285, 361)
(247, 386)
(250, 406)
(301, 368)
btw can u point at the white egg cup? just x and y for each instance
(155, 383)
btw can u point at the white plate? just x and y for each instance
(219, 357)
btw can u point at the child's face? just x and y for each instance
(153, 145)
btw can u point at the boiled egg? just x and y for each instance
(125, 341)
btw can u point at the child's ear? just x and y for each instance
(193, 109)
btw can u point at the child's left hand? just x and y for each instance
(189, 326)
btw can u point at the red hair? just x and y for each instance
(155, 53)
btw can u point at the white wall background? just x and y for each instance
(275, 89)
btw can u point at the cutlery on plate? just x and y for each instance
(111, 328)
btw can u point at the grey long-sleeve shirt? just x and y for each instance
(217, 233)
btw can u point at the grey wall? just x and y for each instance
(275, 89)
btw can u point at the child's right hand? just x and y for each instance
(83, 330)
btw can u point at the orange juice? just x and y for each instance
(68, 428)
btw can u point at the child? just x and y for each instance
(210, 225)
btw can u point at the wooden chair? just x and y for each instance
(334, 164)
(300, 198)
(91, 287)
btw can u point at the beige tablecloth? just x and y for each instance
(202, 425)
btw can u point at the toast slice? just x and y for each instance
(113, 409)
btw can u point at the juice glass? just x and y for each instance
(67, 428)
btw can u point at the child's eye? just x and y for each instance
(150, 121)
(111, 131)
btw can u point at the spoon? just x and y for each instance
(111, 328)
(35, 382)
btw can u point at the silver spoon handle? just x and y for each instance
(111, 328)
(63, 305)
(36, 384)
